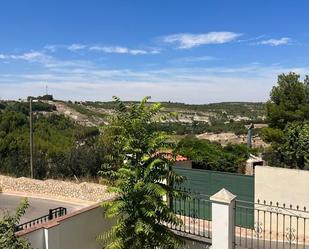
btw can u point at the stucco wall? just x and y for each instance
(81, 231)
(36, 238)
(289, 186)
(77, 230)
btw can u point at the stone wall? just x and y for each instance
(90, 192)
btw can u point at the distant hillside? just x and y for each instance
(187, 118)
(186, 113)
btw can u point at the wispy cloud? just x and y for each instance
(185, 84)
(252, 39)
(32, 56)
(275, 42)
(188, 40)
(122, 50)
(192, 59)
(46, 60)
(76, 47)
(51, 48)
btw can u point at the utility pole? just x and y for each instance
(31, 137)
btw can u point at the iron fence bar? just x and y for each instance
(240, 219)
(264, 213)
(52, 213)
(297, 219)
(251, 238)
(289, 233)
(199, 217)
(189, 217)
(208, 222)
(277, 228)
(246, 222)
(204, 211)
(258, 230)
(270, 229)
(175, 205)
(283, 227)
(193, 214)
(304, 240)
(184, 214)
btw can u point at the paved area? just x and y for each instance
(38, 207)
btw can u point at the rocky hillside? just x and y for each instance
(96, 113)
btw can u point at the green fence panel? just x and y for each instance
(207, 183)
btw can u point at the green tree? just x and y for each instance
(287, 113)
(61, 147)
(213, 156)
(289, 101)
(143, 179)
(296, 144)
(8, 239)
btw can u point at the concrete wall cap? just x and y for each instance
(223, 196)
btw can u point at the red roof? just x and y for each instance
(169, 155)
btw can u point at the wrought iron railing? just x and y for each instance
(271, 225)
(53, 213)
(258, 225)
(195, 212)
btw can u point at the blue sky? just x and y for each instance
(179, 50)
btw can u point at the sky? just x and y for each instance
(188, 51)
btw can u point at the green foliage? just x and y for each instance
(8, 239)
(213, 156)
(296, 144)
(248, 109)
(143, 179)
(44, 97)
(289, 101)
(272, 135)
(2, 105)
(288, 115)
(23, 107)
(61, 147)
(196, 127)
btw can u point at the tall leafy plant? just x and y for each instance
(143, 180)
(8, 239)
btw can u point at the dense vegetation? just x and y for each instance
(248, 109)
(212, 156)
(216, 126)
(288, 117)
(61, 147)
(143, 179)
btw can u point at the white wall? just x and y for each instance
(285, 186)
(36, 238)
(289, 186)
(81, 231)
(77, 230)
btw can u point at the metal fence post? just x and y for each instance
(223, 220)
(50, 214)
